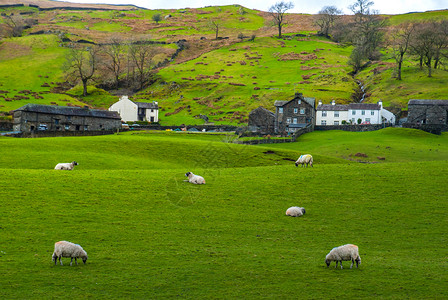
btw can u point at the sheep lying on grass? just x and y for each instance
(306, 159)
(66, 166)
(67, 249)
(196, 179)
(345, 252)
(295, 211)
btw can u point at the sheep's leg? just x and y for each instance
(341, 265)
(71, 262)
(352, 263)
(76, 260)
(336, 264)
(60, 259)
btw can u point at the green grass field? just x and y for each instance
(149, 234)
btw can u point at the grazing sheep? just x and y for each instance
(345, 252)
(305, 159)
(67, 249)
(295, 211)
(196, 179)
(66, 166)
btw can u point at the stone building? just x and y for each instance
(294, 114)
(431, 112)
(261, 120)
(33, 117)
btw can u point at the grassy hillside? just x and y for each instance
(223, 79)
(148, 234)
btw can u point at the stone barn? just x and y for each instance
(36, 117)
(431, 112)
(261, 120)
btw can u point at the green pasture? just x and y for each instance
(149, 234)
(418, 17)
(27, 63)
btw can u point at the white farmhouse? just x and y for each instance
(136, 111)
(331, 114)
(368, 113)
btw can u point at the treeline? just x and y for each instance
(368, 32)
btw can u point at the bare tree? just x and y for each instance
(81, 64)
(141, 56)
(14, 25)
(400, 39)
(215, 25)
(277, 12)
(423, 44)
(441, 41)
(326, 18)
(114, 53)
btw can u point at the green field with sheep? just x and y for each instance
(149, 234)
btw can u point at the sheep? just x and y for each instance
(345, 252)
(305, 159)
(67, 249)
(66, 166)
(295, 211)
(196, 179)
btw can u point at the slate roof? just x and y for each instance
(69, 111)
(262, 109)
(364, 106)
(309, 100)
(146, 105)
(427, 102)
(330, 107)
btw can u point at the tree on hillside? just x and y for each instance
(157, 18)
(423, 44)
(114, 56)
(400, 39)
(441, 42)
(326, 18)
(141, 57)
(368, 28)
(13, 25)
(215, 25)
(81, 65)
(277, 12)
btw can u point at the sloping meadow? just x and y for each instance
(150, 234)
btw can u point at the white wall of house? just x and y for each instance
(152, 115)
(126, 108)
(331, 117)
(368, 115)
(387, 116)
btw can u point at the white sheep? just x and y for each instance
(66, 166)
(196, 179)
(345, 252)
(305, 159)
(67, 249)
(295, 211)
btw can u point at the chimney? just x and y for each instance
(380, 103)
(333, 102)
(320, 103)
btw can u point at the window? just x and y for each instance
(85, 127)
(67, 127)
(280, 110)
(336, 122)
(372, 113)
(353, 113)
(323, 122)
(296, 110)
(294, 121)
(299, 102)
(302, 111)
(336, 114)
(56, 121)
(324, 113)
(69, 118)
(368, 120)
(353, 120)
(363, 112)
(288, 120)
